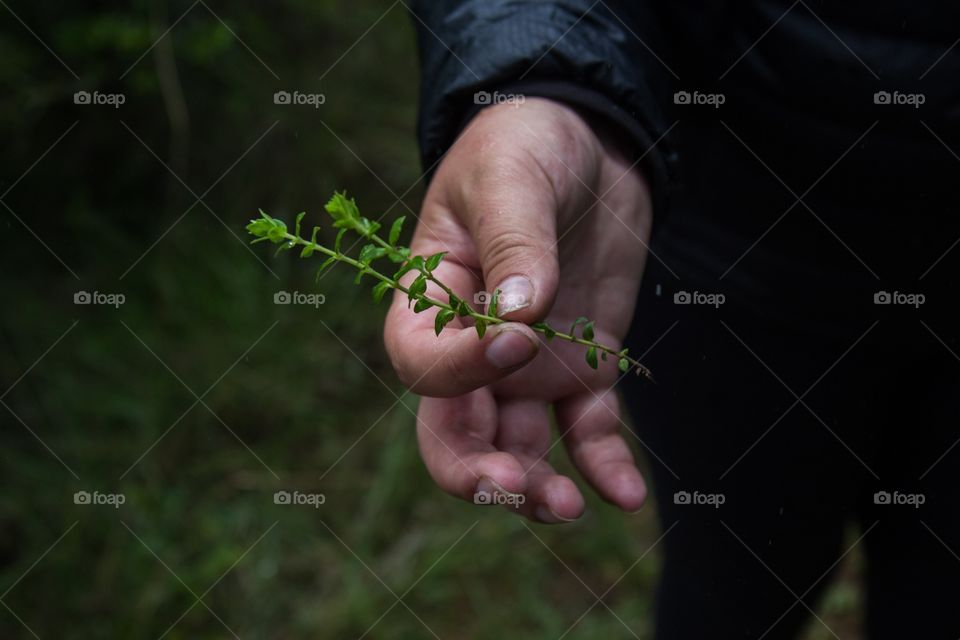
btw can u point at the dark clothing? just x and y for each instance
(549, 49)
(798, 479)
(800, 198)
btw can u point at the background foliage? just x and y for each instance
(149, 200)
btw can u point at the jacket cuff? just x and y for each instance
(650, 153)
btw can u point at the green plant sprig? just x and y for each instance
(346, 217)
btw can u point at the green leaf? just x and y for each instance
(592, 357)
(399, 254)
(417, 288)
(406, 268)
(336, 243)
(300, 215)
(481, 327)
(367, 228)
(267, 228)
(309, 249)
(286, 246)
(547, 330)
(577, 323)
(588, 331)
(463, 309)
(624, 365)
(422, 305)
(343, 211)
(444, 316)
(395, 229)
(379, 290)
(434, 261)
(494, 303)
(360, 275)
(326, 264)
(371, 252)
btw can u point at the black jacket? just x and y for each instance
(853, 108)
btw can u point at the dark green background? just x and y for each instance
(293, 398)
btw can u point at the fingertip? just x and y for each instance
(627, 489)
(561, 502)
(511, 346)
(500, 471)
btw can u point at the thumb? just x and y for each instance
(510, 210)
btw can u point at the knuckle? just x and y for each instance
(511, 246)
(498, 165)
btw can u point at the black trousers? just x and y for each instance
(799, 415)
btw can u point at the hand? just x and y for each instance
(515, 202)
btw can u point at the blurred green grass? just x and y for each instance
(199, 549)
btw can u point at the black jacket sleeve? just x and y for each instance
(593, 55)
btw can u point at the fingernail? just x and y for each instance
(516, 292)
(545, 514)
(489, 491)
(509, 348)
(483, 494)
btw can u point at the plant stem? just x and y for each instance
(476, 315)
(342, 257)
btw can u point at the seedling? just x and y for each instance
(346, 217)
